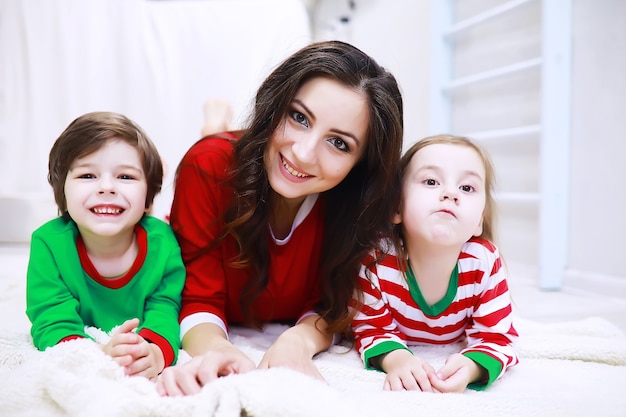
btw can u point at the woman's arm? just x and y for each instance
(296, 346)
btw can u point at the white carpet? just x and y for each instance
(575, 368)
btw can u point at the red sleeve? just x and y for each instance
(201, 197)
(162, 343)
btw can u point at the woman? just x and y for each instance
(274, 221)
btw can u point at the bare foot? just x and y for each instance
(218, 114)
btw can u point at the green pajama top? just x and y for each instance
(65, 293)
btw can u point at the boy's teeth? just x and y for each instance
(106, 210)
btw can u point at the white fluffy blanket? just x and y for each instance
(569, 369)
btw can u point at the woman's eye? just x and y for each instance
(300, 118)
(467, 188)
(339, 144)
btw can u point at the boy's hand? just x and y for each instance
(133, 352)
(148, 361)
(123, 343)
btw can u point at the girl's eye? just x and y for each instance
(467, 188)
(126, 177)
(431, 182)
(339, 144)
(300, 118)
(87, 176)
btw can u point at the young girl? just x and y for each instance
(104, 262)
(274, 221)
(443, 280)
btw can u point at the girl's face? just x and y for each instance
(321, 138)
(443, 195)
(105, 191)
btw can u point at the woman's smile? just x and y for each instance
(292, 170)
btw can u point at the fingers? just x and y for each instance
(189, 378)
(127, 327)
(443, 385)
(177, 381)
(123, 360)
(127, 344)
(408, 380)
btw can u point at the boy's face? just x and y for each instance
(443, 195)
(105, 191)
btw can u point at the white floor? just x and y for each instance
(529, 301)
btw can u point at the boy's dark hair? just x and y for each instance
(90, 132)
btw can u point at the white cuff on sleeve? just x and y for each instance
(199, 318)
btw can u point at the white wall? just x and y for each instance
(155, 61)
(398, 33)
(598, 175)
(395, 33)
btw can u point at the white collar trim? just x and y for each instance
(303, 212)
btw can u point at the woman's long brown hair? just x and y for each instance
(354, 223)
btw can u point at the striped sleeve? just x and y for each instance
(490, 332)
(374, 326)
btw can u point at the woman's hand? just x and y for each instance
(189, 378)
(296, 347)
(291, 351)
(213, 356)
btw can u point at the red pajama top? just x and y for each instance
(213, 287)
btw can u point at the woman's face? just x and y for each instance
(322, 136)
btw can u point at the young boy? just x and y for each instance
(104, 262)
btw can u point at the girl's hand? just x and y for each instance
(406, 372)
(189, 378)
(457, 373)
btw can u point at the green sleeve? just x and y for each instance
(50, 305)
(163, 305)
(381, 349)
(493, 367)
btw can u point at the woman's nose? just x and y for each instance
(305, 148)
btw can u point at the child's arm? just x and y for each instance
(50, 304)
(379, 340)
(159, 325)
(490, 335)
